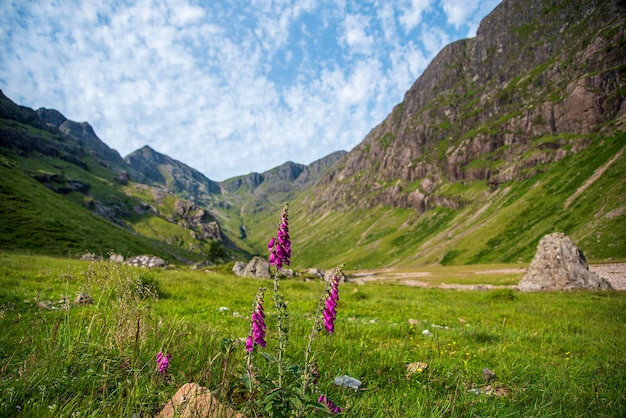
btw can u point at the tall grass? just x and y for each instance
(554, 354)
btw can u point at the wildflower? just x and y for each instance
(258, 324)
(315, 373)
(163, 361)
(330, 305)
(280, 246)
(334, 409)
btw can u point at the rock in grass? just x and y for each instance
(348, 382)
(238, 268)
(147, 261)
(488, 375)
(417, 367)
(560, 265)
(193, 400)
(258, 268)
(83, 299)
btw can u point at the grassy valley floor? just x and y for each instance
(556, 354)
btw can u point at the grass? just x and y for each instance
(554, 354)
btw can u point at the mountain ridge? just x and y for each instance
(146, 192)
(505, 137)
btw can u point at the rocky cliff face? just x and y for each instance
(535, 85)
(176, 176)
(83, 133)
(269, 190)
(287, 175)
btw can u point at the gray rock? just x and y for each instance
(148, 261)
(488, 375)
(560, 265)
(288, 273)
(83, 299)
(316, 272)
(348, 382)
(258, 268)
(90, 257)
(116, 258)
(239, 268)
(202, 265)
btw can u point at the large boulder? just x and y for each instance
(560, 265)
(258, 268)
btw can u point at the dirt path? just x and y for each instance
(615, 273)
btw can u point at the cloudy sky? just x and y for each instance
(227, 87)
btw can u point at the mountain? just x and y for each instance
(506, 137)
(68, 175)
(84, 134)
(264, 192)
(178, 177)
(535, 85)
(65, 191)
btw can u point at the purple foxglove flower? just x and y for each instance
(330, 306)
(258, 324)
(249, 344)
(163, 361)
(280, 246)
(334, 409)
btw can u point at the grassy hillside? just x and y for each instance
(582, 196)
(34, 219)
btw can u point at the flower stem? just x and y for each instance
(281, 310)
(315, 329)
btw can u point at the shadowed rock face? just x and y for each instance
(560, 265)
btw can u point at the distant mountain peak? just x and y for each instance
(51, 116)
(173, 174)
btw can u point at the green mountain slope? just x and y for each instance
(34, 219)
(581, 195)
(87, 198)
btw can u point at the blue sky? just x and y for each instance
(227, 87)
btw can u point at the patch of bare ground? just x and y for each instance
(615, 273)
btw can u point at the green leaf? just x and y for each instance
(226, 345)
(268, 356)
(295, 369)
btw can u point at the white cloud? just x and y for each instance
(186, 14)
(355, 34)
(457, 12)
(433, 39)
(411, 14)
(228, 88)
